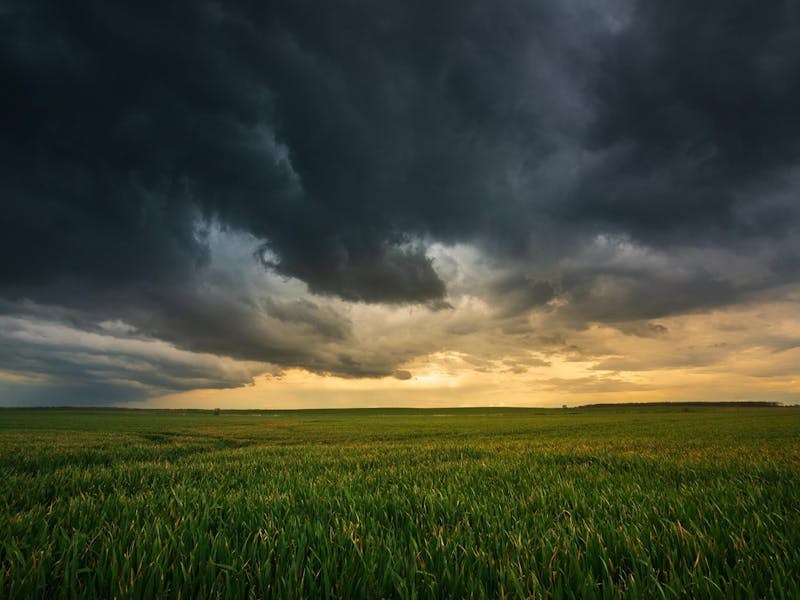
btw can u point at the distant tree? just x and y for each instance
(217, 411)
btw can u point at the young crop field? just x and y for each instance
(655, 502)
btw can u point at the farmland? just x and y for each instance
(607, 502)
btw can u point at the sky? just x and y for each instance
(350, 203)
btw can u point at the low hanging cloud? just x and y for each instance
(277, 184)
(53, 363)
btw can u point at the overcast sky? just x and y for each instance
(293, 204)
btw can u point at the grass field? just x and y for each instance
(630, 502)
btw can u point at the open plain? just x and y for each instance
(594, 502)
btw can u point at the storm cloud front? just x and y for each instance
(465, 202)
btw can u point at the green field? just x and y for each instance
(629, 502)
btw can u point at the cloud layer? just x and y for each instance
(348, 188)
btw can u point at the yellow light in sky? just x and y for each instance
(721, 355)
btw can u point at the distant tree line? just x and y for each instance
(747, 404)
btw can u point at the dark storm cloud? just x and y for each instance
(323, 321)
(616, 297)
(344, 139)
(56, 363)
(695, 114)
(338, 135)
(520, 294)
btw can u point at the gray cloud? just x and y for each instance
(232, 179)
(61, 364)
(321, 320)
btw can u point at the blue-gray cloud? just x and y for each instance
(342, 140)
